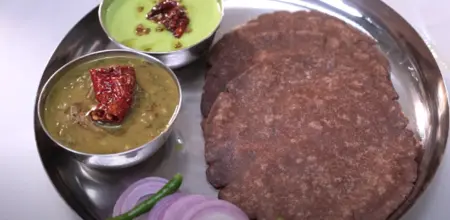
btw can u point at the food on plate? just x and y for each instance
(165, 190)
(182, 206)
(110, 105)
(136, 192)
(308, 126)
(165, 202)
(160, 208)
(214, 209)
(114, 89)
(172, 14)
(163, 25)
(282, 30)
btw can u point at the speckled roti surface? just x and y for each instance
(235, 52)
(312, 134)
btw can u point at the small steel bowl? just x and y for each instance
(118, 160)
(173, 59)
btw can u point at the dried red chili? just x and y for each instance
(172, 15)
(114, 87)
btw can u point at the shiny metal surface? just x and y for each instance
(415, 74)
(119, 160)
(173, 59)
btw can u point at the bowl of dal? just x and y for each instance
(177, 32)
(110, 109)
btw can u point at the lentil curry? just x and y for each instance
(68, 107)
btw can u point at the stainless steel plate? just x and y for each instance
(415, 75)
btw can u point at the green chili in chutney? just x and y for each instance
(67, 107)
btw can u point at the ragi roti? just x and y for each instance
(278, 31)
(307, 129)
(299, 139)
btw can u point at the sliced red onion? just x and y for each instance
(133, 194)
(178, 209)
(160, 208)
(214, 209)
(155, 179)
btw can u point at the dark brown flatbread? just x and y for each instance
(235, 51)
(311, 132)
(230, 66)
(299, 140)
(278, 31)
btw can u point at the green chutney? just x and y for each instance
(123, 16)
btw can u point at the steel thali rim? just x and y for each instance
(85, 213)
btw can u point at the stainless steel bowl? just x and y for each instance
(118, 160)
(173, 59)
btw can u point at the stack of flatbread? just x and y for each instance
(302, 122)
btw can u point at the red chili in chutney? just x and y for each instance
(114, 87)
(172, 15)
